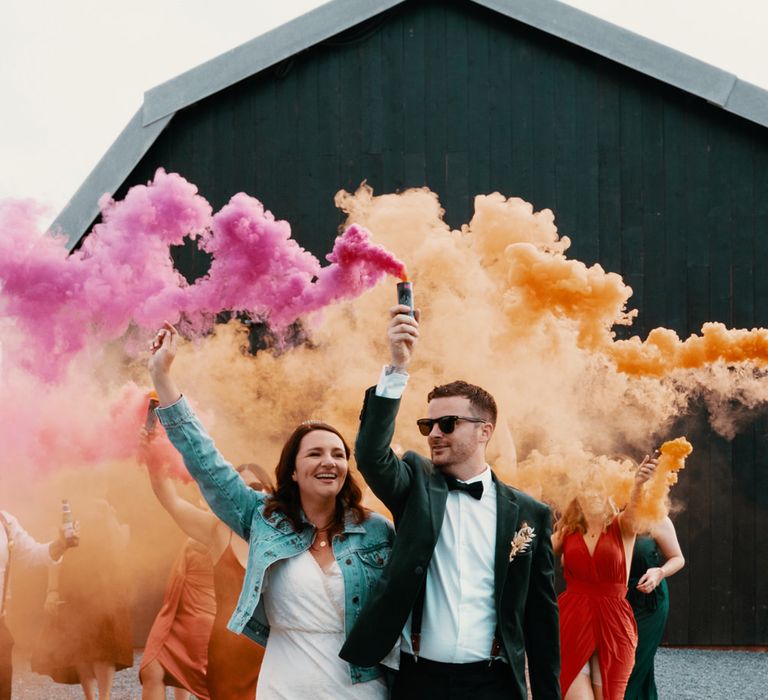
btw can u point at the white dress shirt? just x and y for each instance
(459, 620)
(25, 548)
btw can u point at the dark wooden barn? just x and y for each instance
(655, 162)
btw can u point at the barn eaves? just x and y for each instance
(555, 18)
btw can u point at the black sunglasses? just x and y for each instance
(445, 423)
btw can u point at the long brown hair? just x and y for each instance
(265, 480)
(286, 498)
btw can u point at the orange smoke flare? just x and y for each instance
(654, 504)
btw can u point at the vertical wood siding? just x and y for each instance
(652, 183)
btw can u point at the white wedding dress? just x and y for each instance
(305, 608)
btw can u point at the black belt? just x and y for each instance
(471, 668)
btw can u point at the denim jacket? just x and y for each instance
(361, 550)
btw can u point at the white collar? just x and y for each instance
(485, 476)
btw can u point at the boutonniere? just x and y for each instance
(522, 540)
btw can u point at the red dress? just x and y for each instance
(594, 612)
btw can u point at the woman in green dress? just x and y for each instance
(656, 556)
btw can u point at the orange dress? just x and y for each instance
(179, 635)
(594, 612)
(234, 660)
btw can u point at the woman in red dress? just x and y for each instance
(598, 635)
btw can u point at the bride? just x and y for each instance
(314, 553)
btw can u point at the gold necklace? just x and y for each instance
(320, 531)
(320, 545)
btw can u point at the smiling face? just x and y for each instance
(321, 465)
(466, 444)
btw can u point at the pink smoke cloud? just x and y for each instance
(258, 268)
(45, 428)
(123, 275)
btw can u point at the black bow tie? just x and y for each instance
(475, 489)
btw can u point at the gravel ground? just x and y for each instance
(705, 674)
(32, 686)
(681, 674)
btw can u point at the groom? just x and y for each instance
(469, 587)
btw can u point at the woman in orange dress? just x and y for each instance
(177, 646)
(233, 661)
(598, 634)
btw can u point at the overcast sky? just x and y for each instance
(73, 73)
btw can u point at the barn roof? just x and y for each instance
(716, 86)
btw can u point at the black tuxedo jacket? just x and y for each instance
(416, 493)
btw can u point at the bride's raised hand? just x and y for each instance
(163, 346)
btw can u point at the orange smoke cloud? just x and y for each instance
(663, 351)
(654, 504)
(543, 285)
(558, 478)
(502, 306)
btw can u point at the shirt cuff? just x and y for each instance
(391, 385)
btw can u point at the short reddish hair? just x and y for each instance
(480, 400)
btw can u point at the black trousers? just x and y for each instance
(6, 669)
(422, 679)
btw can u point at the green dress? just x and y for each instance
(651, 611)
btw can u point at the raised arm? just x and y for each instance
(229, 498)
(32, 552)
(164, 348)
(59, 546)
(628, 517)
(666, 538)
(388, 476)
(402, 334)
(195, 522)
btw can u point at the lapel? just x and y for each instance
(438, 495)
(506, 524)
